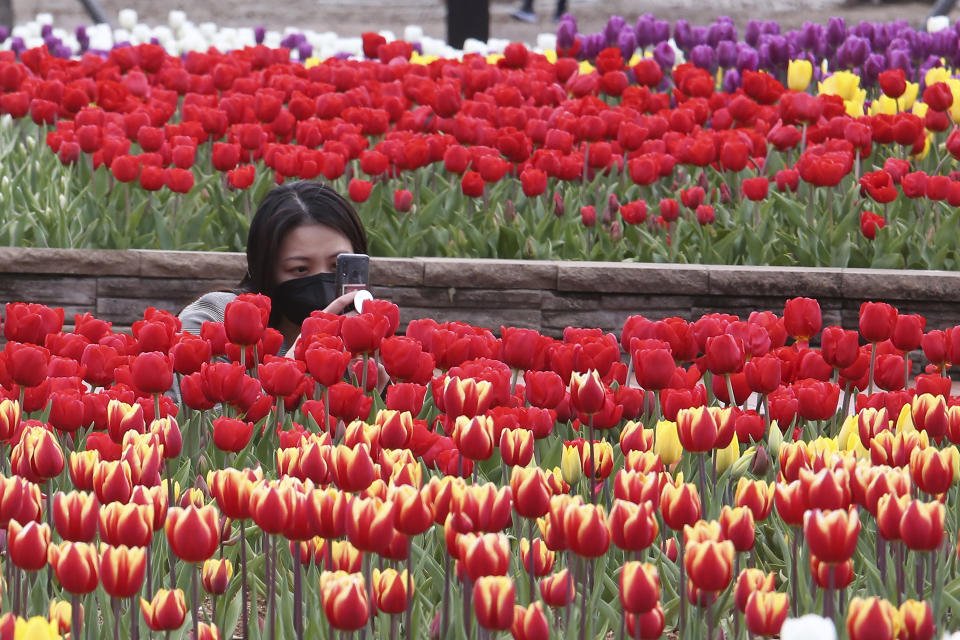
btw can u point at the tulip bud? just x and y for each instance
(216, 575)
(639, 587)
(871, 618)
(166, 611)
(344, 598)
(766, 612)
(570, 467)
(558, 589)
(666, 443)
(493, 601)
(391, 590)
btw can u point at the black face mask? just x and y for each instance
(296, 298)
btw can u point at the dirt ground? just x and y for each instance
(356, 16)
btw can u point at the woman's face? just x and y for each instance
(309, 249)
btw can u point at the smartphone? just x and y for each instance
(353, 272)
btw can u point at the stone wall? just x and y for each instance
(548, 296)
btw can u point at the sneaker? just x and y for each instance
(524, 16)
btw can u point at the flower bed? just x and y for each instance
(516, 483)
(519, 155)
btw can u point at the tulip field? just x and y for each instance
(682, 478)
(832, 145)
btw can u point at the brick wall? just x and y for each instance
(119, 285)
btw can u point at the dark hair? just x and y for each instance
(288, 206)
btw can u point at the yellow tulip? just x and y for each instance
(854, 108)
(936, 74)
(570, 467)
(492, 58)
(905, 420)
(550, 55)
(586, 67)
(36, 628)
(666, 443)
(728, 455)
(799, 74)
(909, 96)
(842, 83)
(883, 104)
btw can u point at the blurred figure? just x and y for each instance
(525, 12)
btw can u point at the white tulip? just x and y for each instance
(208, 29)
(546, 41)
(413, 33)
(44, 18)
(472, 45)
(63, 201)
(937, 23)
(121, 35)
(808, 627)
(953, 636)
(176, 18)
(497, 45)
(141, 33)
(127, 18)
(386, 33)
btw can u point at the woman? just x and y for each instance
(295, 237)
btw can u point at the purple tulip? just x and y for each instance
(810, 35)
(731, 80)
(727, 53)
(343, 55)
(900, 59)
(683, 35)
(17, 46)
(305, 50)
(721, 30)
(4, 34)
(864, 30)
(566, 33)
(932, 62)
(611, 32)
(853, 52)
(699, 35)
(780, 53)
(661, 31)
(836, 31)
(593, 45)
(259, 33)
(764, 61)
(644, 30)
(748, 58)
(923, 46)
(664, 55)
(627, 43)
(946, 42)
(417, 46)
(874, 65)
(704, 57)
(751, 34)
(770, 28)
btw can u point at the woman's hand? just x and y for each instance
(341, 303)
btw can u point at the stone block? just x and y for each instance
(160, 287)
(192, 264)
(67, 261)
(460, 298)
(488, 318)
(632, 278)
(489, 274)
(889, 285)
(787, 282)
(396, 272)
(129, 310)
(49, 290)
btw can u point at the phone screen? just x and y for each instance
(353, 272)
